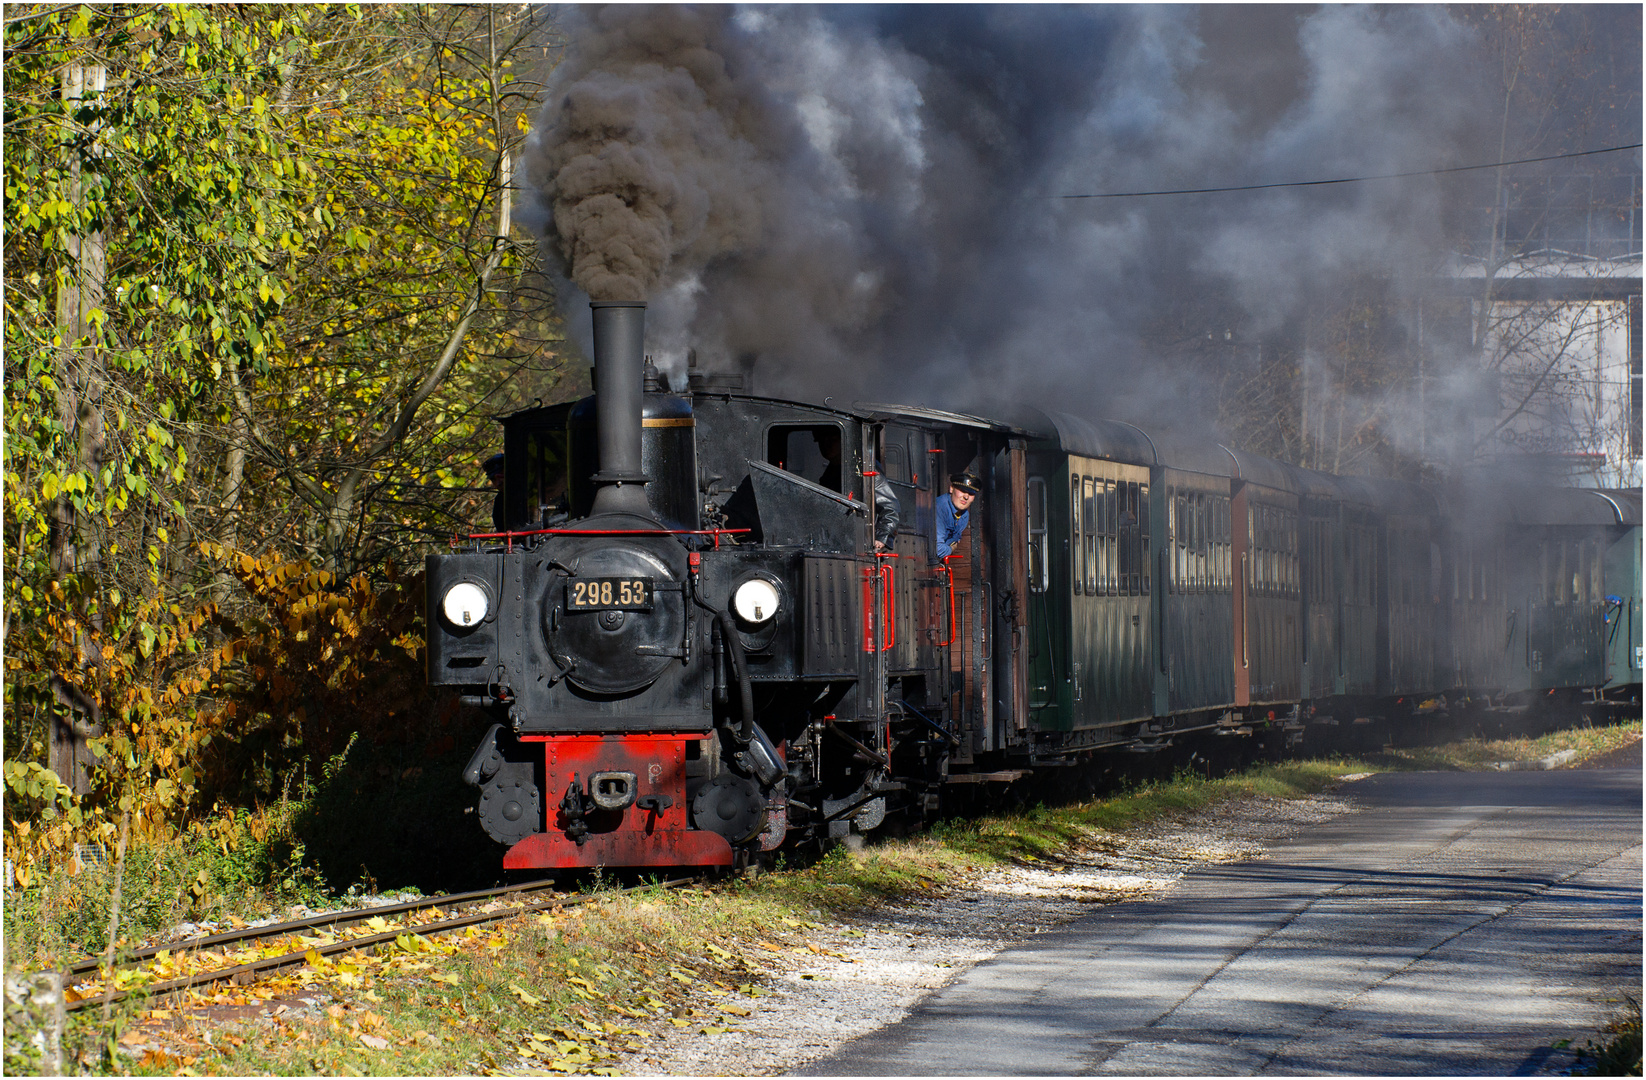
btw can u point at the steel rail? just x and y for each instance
(240, 972)
(330, 918)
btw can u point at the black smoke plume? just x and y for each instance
(868, 199)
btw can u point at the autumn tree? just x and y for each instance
(263, 293)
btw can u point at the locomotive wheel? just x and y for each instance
(732, 806)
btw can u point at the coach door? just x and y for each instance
(1010, 493)
(964, 617)
(1241, 557)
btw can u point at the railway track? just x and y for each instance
(530, 898)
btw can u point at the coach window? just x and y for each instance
(1249, 570)
(1288, 537)
(1294, 560)
(1094, 525)
(1282, 548)
(1137, 500)
(1110, 517)
(1229, 568)
(1037, 534)
(1077, 550)
(1270, 574)
(1143, 527)
(1214, 544)
(894, 457)
(1278, 552)
(1174, 538)
(1126, 531)
(1181, 557)
(1259, 558)
(1173, 546)
(1271, 550)
(1222, 532)
(1105, 532)
(1105, 542)
(1096, 535)
(1199, 514)
(1128, 540)
(1125, 527)
(1104, 558)
(1297, 556)
(1190, 540)
(1214, 547)
(1253, 552)
(1126, 537)
(1220, 516)
(1188, 524)
(1133, 537)
(1596, 592)
(1208, 545)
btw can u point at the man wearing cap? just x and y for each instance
(954, 510)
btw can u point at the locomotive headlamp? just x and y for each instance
(755, 600)
(464, 604)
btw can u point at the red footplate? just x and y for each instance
(643, 834)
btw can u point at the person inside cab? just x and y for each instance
(954, 511)
(887, 509)
(494, 479)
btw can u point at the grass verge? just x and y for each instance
(1481, 754)
(1619, 1052)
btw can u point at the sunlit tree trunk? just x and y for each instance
(75, 549)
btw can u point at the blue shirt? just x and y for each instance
(949, 525)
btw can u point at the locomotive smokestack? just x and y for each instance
(619, 339)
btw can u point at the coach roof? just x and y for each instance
(1112, 440)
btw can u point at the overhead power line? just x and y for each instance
(1348, 179)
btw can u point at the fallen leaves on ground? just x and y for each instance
(562, 1021)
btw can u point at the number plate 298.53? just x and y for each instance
(608, 594)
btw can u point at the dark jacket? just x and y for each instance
(887, 510)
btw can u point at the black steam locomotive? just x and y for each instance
(694, 649)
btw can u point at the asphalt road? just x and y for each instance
(1458, 924)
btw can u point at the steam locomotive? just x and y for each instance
(694, 652)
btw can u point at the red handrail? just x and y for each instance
(954, 629)
(888, 605)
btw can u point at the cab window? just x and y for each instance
(800, 450)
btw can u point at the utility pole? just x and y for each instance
(80, 385)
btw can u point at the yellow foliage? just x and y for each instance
(165, 688)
